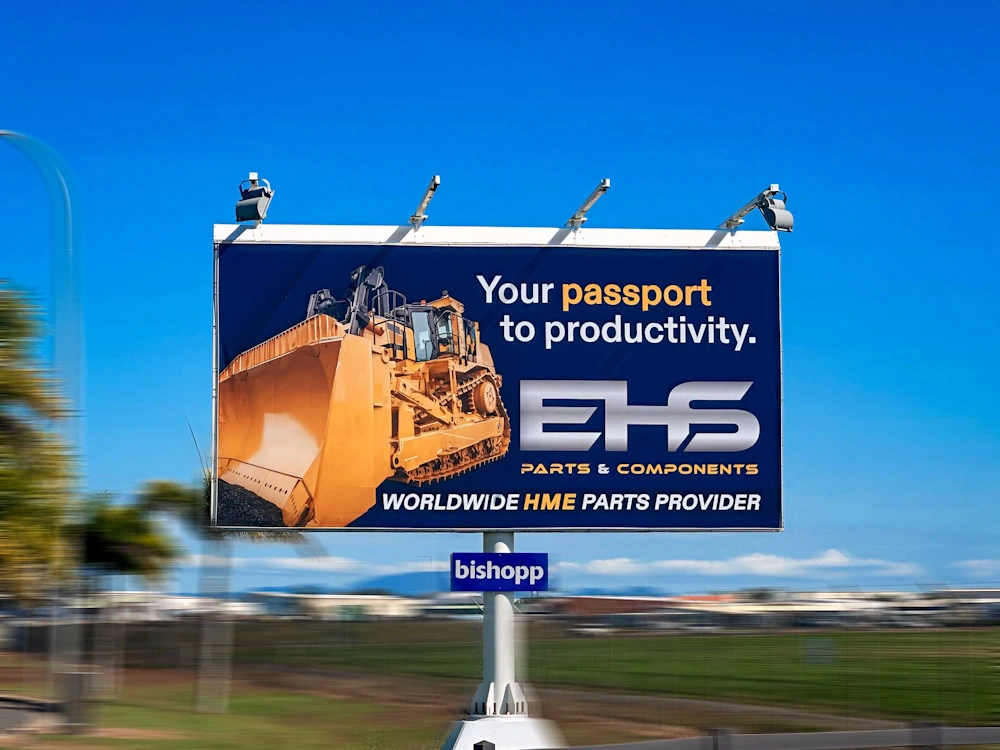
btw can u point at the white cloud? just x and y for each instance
(979, 568)
(423, 566)
(830, 562)
(348, 565)
(317, 563)
(214, 561)
(618, 566)
(320, 564)
(563, 565)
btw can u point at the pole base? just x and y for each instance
(505, 732)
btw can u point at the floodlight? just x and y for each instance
(420, 215)
(254, 199)
(577, 219)
(773, 210)
(775, 214)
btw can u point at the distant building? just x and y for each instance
(453, 605)
(343, 607)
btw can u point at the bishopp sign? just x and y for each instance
(477, 379)
(499, 571)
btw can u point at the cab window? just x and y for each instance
(422, 336)
(447, 342)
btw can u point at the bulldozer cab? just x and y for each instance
(441, 332)
(420, 332)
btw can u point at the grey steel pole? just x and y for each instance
(498, 693)
(215, 663)
(498, 627)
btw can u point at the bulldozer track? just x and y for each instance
(461, 461)
(445, 401)
(465, 387)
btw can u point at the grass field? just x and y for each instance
(294, 709)
(367, 686)
(161, 717)
(948, 675)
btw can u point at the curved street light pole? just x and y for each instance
(66, 315)
(65, 306)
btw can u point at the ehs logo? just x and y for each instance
(678, 416)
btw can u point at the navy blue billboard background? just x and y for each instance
(264, 289)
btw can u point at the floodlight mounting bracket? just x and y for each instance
(420, 215)
(579, 217)
(736, 220)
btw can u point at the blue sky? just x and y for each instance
(879, 123)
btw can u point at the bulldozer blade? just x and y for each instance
(305, 421)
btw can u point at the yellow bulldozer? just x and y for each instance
(365, 389)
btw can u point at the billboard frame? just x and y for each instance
(472, 237)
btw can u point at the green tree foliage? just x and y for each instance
(188, 503)
(36, 467)
(123, 539)
(45, 532)
(191, 505)
(760, 595)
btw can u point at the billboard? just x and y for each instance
(381, 378)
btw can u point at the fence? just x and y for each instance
(919, 735)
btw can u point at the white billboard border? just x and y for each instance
(434, 236)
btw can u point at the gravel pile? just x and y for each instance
(241, 507)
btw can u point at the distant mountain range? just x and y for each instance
(422, 583)
(406, 584)
(403, 584)
(636, 591)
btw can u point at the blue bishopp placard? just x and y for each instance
(495, 571)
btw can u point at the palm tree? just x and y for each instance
(187, 503)
(35, 464)
(123, 539)
(190, 504)
(118, 539)
(46, 533)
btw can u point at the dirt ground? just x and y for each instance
(583, 716)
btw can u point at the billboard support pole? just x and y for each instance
(499, 694)
(499, 710)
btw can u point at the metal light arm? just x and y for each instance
(577, 219)
(420, 215)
